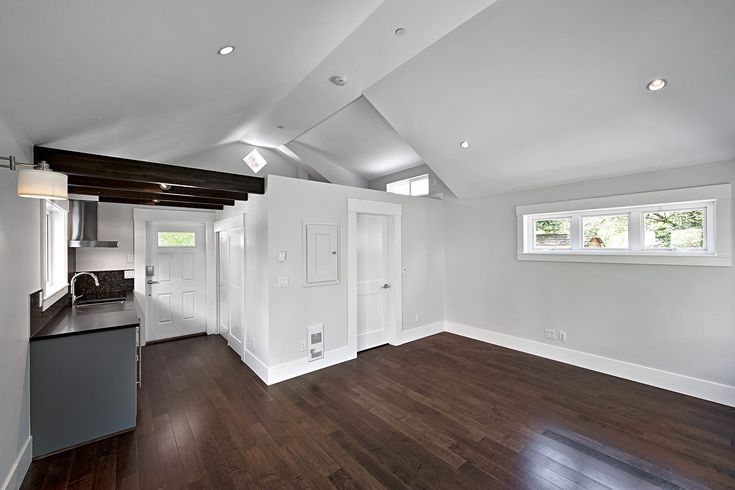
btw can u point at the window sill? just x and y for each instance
(53, 296)
(649, 259)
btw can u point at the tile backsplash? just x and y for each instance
(112, 283)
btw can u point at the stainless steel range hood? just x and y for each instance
(83, 226)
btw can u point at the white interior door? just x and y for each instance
(177, 288)
(373, 283)
(231, 275)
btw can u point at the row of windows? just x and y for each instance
(669, 228)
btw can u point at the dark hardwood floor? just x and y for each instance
(442, 412)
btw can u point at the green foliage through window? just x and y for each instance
(552, 233)
(675, 229)
(176, 239)
(605, 231)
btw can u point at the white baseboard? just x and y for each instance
(288, 370)
(700, 388)
(253, 362)
(20, 466)
(420, 332)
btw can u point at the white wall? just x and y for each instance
(293, 309)
(20, 258)
(679, 319)
(115, 222)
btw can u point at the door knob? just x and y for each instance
(152, 282)
(386, 286)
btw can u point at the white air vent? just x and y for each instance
(315, 339)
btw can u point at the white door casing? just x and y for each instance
(373, 281)
(178, 287)
(231, 287)
(393, 212)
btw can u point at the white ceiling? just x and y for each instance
(546, 92)
(142, 79)
(361, 141)
(552, 92)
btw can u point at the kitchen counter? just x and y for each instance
(74, 321)
(84, 373)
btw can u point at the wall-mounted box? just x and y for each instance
(321, 253)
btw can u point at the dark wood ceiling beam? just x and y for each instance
(87, 164)
(162, 203)
(91, 191)
(126, 185)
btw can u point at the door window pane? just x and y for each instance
(675, 229)
(554, 233)
(176, 239)
(605, 231)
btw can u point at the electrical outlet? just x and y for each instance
(282, 256)
(562, 336)
(283, 282)
(302, 345)
(550, 333)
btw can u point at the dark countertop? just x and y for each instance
(74, 321)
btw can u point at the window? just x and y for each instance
(54, 250)
(650, 229)
(176, 239)
(552, 234)
(415, 186)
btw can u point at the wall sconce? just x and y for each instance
(38, 181)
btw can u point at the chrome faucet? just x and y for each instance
(74, 296)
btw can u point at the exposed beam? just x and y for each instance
(114, 193)
(162, 203)
(127, 185)
(87, 164)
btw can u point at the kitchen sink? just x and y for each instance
(99, 302)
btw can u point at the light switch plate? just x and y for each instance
(283, 282)
(129, 274)
(282, 256)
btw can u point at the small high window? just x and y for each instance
(176, 239)
(688, 226)
(415, 186)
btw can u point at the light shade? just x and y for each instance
(42, 184)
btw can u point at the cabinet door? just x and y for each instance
(321, 242)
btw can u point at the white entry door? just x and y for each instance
(177, 287)
(230, 274)
(373, 284)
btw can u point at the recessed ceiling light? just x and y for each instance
(338, 80)
(464, 144)
(400, 31)
(225, 50)
(165, 187)
(656, 84)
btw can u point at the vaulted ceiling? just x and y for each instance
(545, 92)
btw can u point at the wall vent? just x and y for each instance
(315, 339)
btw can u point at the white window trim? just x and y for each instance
(51, 293)
(410, 182)
(717, 227)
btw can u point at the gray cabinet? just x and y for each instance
(83, 388)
